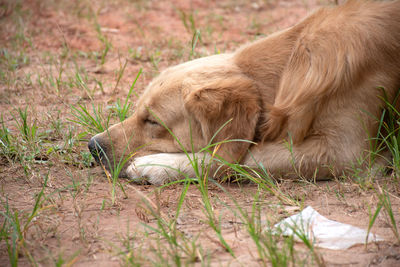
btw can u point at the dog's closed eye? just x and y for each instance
(151, 122)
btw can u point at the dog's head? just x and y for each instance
(184, 108)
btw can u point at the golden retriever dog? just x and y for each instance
(306, 98)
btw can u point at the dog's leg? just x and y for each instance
(312, 159)
(163, 167)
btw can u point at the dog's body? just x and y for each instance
(314, 86)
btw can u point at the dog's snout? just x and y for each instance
(96, 149)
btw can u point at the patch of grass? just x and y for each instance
(130, 253)
(389, 131)
(274, 249)
(66, 149)
(383, 156)
(180, 250)
(10, 63)
(97, 120)
(213, 221)
(59, 82)
(136, 53)
(69, 261)
(7, 142)
(123, 111)
(27, 130)
(196, 37)
(120, 73)
(302, 234)
(93, 124)
(15, 227)
(27, 146)
(188, 20)
(81, 83)
(155, 58)
(166, 245)
(105, 41)
(14, 60)
(385, 203)
(115, 167)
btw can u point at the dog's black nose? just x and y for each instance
(96, 150)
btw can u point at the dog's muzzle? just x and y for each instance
(96, 150)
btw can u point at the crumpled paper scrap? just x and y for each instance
(324, 232)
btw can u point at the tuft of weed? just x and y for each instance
(181, 249)
(15, 227)
(28, 145)
(93, 124)
(389, 131)
(27, 130)
(81, 82)
(385, 203)
(7, 143)
(123, 111)
(13, 61)
(97, 120)
(189, 21)
(105, 41)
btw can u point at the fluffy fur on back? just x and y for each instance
(315, 86)
(331, 56)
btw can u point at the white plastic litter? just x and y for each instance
(323, 232)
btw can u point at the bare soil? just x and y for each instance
(77, 222)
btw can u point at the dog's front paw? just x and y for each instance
(157, 168)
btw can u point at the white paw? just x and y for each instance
(159, 168)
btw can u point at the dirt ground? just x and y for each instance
(58, 54)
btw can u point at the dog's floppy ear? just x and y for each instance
(216, 101)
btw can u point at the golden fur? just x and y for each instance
(316, 83)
